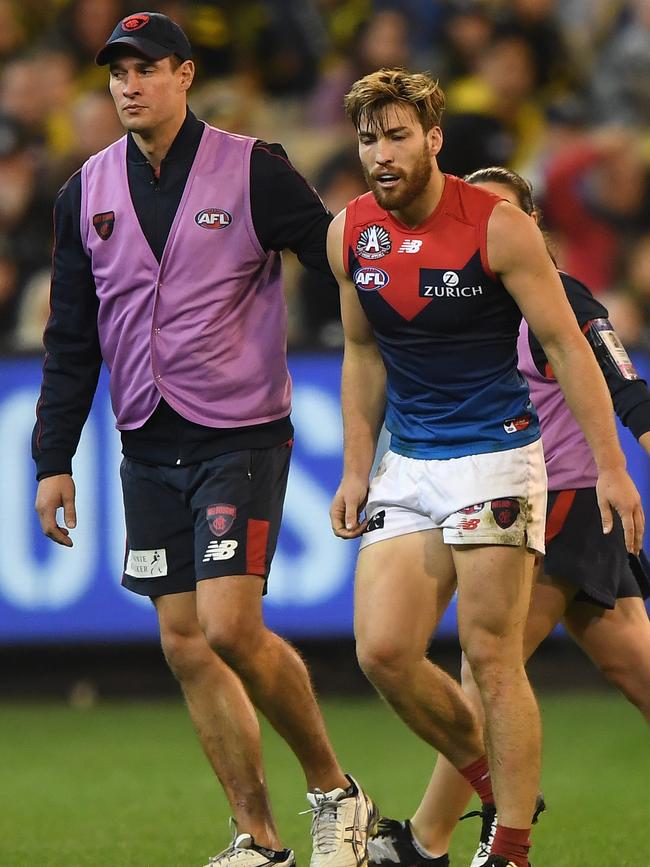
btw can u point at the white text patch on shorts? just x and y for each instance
(147, 564)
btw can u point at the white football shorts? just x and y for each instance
(498, 498)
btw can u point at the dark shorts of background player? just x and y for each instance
(210, 519)
(578, 551)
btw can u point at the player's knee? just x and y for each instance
(383, 662)
(492, 661)
(186, 652)
(232, 641)
(632, 681)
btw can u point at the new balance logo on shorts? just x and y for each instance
(376, 522)
(220, 549)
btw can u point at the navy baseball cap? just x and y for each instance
(150, 33)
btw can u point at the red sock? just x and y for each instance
(513, 844)
(478, 776)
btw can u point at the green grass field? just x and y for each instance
(126, 785)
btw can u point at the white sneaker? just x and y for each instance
(341, 822)
(244, 852)
(488, 814)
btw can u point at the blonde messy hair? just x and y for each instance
(371, 96)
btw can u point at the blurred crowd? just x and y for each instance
(557, 89)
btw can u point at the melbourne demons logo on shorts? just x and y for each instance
(220, 518)
(505, 512)
(104, 224)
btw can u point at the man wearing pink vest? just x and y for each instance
(167, 268)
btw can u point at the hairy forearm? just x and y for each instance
(363, 399)
(586, 392)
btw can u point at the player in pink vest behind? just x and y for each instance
(167, 268)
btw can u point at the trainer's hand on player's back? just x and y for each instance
(347, 505)
(616, 490)
(54, 493)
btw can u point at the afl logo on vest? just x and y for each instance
(135, 22)
(374, 242)
(370, 279)
(213, 218)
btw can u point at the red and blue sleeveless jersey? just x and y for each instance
(445, 325)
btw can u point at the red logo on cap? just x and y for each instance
(135, 22)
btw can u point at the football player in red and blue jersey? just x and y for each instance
(434, 276)
(586, 579)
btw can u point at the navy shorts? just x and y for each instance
(578, 551)
(210, 519)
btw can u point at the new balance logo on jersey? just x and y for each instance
(410, 245)
(376, 522)
(222, 549)
(374, 242)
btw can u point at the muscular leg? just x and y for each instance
(448, 794)
(223, 716)
(403, 585)
(494, 591)
(275, 677)
(618, 643)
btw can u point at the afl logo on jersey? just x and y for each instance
(213, 218)
(370, 279)
(374, 243)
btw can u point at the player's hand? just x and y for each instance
(347, 505)
(53, 493)
(616, 490)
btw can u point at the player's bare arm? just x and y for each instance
(53, 493)
(517, 253)
(363, 396)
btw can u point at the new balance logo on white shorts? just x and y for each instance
(220, 549)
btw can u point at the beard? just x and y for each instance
(411, 186)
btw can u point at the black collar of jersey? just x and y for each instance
(184, 146)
